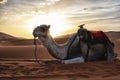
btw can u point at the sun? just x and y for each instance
(57, 21)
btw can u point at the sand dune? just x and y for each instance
(8, 40)
(24, 52)
(13, 47)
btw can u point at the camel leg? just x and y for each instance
(110, 51)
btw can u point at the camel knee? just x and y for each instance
(111, 56)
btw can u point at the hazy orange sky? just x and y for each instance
(20, 17)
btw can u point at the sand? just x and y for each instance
(23, 52)
(12, 69)
(17, 62)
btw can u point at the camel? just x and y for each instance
(60, 51)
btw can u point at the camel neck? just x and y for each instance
(53, 48)
(56, 50)
(49, 42)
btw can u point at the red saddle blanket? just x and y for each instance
(99, 37)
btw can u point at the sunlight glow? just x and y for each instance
(57, 21)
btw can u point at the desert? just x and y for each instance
(76, 39)
(17, 62)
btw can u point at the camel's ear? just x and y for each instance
(48, 26)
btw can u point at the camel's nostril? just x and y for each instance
(34, 33)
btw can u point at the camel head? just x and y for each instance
(41, 31)
(82, 32)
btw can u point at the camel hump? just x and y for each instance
(99, 37)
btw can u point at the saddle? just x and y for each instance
(95, 37)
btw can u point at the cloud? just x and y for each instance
(75, 11)
(3, 1)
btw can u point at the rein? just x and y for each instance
(35, 51)
(86, 57)
(68, 53)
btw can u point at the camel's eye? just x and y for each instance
(42, 29)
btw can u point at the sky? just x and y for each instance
(20, 17)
